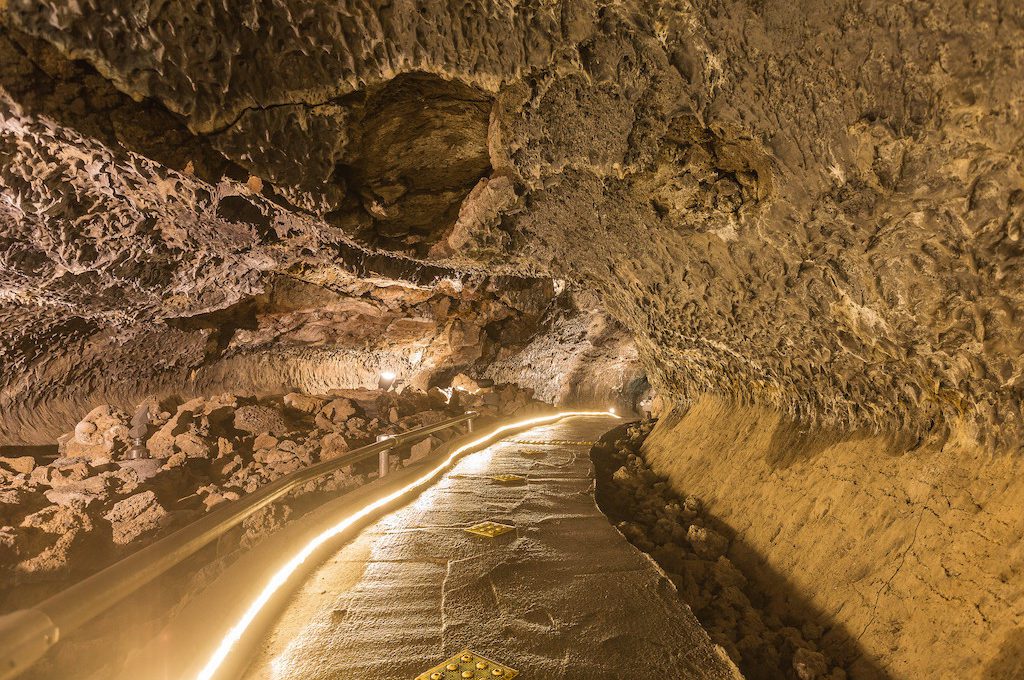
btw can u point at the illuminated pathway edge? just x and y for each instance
(282, 575)
(563, 597)
(366, 587)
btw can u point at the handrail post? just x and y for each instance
(384, 457)
(27, 635)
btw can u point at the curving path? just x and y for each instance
(563, 596)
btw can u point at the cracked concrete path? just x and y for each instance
(563, 596)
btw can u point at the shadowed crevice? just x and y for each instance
(768, 627)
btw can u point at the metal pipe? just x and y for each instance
(26, 635)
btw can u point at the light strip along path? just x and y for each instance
(563, 597)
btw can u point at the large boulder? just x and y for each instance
(193, 446)
(186, 419)
(365, 400)
(422, 449)
(203, 417)
(50, 537)
(141, 470)
(438, 398)
(18, 465)
(335, 413)
(421, 419)
(101, 435)
(257, 418)
(62, 472)
(333, 445)
(464, 383)
(264, 441)
(75, 484)
(304, 403)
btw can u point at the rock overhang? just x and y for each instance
(776, 210)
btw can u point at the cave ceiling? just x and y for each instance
(812, 206)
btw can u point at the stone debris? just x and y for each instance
(675, 531)
(136, 516)
(93, 503)
(422, 449)
(334, 414)
(303, 402)
(101, 435)
(256, 418)
(20, 465)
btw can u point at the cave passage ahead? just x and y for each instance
(243, 245)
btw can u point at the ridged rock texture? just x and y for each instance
(809, 209)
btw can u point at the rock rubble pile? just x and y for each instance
(121, 480)
(756, 628)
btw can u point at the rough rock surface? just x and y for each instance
(136, 516)
(885, 540)
(817, 208)
(583, 357)
(812, 210)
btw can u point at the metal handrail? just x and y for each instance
(26, 635)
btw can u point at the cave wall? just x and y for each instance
(908, 551)
(811, 207)
(806, 215)
(333, 331)
(582, 358)
(822, 216)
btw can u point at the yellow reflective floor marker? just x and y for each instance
(508, 480)
(468, 664)
(490, 529)
(551, 442)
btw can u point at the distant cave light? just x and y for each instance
(387, 380)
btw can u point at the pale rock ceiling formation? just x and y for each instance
(815, 207)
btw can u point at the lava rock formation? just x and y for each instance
(800, 219)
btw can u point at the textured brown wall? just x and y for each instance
(812, 209)
(812, 206)
(910, 551)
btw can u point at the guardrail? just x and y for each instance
(26, 635)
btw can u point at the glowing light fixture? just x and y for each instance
(386, 380)
(284, 573)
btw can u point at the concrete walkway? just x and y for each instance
(561, 597)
